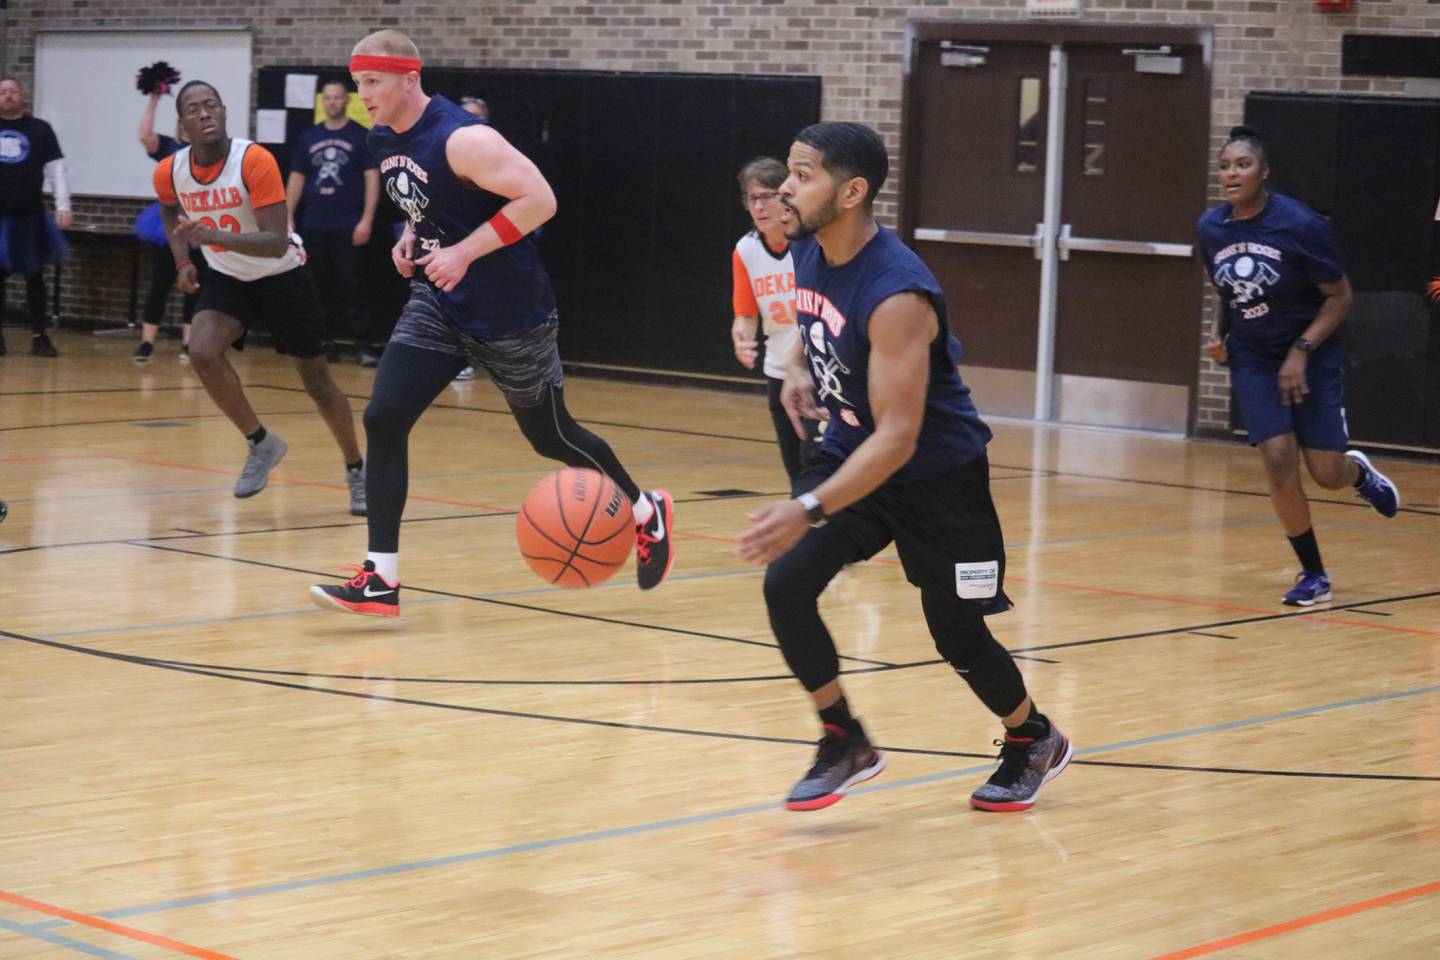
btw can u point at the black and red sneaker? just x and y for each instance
(842, 760)
(1026, 765)
(366, 593)
(653, 552)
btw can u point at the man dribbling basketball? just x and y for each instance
(480, 296)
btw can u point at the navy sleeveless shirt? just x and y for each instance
(833, 307)
(503, 293)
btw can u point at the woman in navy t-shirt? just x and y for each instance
(1283, 291)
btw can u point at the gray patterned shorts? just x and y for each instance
(523, 366)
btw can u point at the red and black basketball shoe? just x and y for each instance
(366, 593)
(653, 551)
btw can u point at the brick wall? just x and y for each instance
(855, 47)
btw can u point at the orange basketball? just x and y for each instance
(575, 528)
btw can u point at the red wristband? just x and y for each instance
(182, 265)
(505, 229)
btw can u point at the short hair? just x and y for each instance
(1251, 138)
(849, 150)
(766, 171)
(335, 82)
(390, 43)
(196, 83)
(479, 102)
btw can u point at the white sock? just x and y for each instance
(642, 509)
(387, 565)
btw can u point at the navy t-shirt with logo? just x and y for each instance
(1266, 270)
(26, 145)
(333, 163)
(833, 307)
(503, 293)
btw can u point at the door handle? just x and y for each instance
(1069, 242)
(985, 238)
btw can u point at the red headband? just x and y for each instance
(384, 64)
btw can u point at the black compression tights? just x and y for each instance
(793, 585)
(408, 381)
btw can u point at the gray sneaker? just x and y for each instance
(467, 374)
(356, 481)
(256, 472)
(1026, 765)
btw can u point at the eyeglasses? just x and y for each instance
(764, 199)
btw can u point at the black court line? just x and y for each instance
(58, 393)
(1265, 618)
(463, 682)
(150, 419)
(1239, 493)
(593, 618)
(1221, 636)
(1025, 471)
(199, 535)
(1030, 471)
(1376, 613)
(648, 728)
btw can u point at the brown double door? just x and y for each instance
(1115, 313)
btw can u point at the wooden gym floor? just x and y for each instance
(195, 761)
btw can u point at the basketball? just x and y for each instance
(575, 528)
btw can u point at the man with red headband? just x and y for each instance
(478, 295)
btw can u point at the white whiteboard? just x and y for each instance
(85, 88)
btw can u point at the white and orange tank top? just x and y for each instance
(225, 196)
(765, 288)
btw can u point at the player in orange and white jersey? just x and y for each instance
(225, 194)
(764, 294)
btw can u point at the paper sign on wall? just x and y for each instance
(270, 126)
(300, 90)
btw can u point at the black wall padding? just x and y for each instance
(643, 166)
(1372, 164)
(1371, 55)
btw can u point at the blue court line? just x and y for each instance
(39, 932)
(654, 826)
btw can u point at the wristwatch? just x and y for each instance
(813, 511)
(1303, 345)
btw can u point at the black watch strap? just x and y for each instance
(1303, 345)
(814, 512)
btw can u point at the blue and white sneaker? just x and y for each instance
(1376, 489)
(1309, 589)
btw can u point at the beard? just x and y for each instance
(801, 226)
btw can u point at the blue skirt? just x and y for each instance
(28, 241)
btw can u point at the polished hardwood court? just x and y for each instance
(195, 761)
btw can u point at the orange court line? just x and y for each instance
(1215, 946)
(121, 929)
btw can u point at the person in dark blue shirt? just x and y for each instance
(158, 146)
(331, 194)
(1283, 291)
(903, 460)
(30, 163)
(478, 295)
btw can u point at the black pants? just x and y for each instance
(333, 261)
(162, 278)
(408, 381)
(34, 295)
(794, 452)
